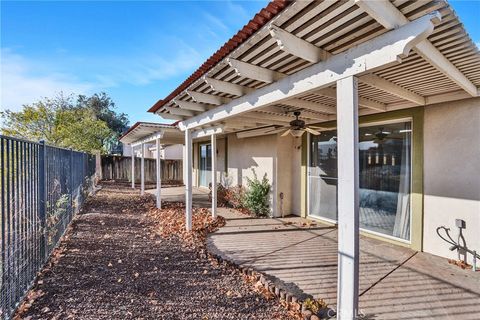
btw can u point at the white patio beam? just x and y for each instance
(384, 50)
(152, 137)
(255, 115)
(390, 87)
(207, 98)
(314, 106)
(180, 112)
(214, 174)
(188, 180)
(297, 46)
(159, 175)
(170, 116)
(259, 132)
(142, 171)
(254, 122)
(348, 203)
(227, 87)
(208, 131)
(192, 106)
(385, 13)
(254, 72)
(363, 102)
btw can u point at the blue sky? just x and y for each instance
(137, 52)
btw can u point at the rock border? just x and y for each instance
(280, 294)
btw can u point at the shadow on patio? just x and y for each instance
(395, 282)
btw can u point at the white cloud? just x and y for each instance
(22, 83)
(25, 80)
(144, 68)
(215, 21)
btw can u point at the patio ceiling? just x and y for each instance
(143, 132)
(444, 67)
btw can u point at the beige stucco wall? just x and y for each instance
(251, 153)
(276, 156)
(451, 173)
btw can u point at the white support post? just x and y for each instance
(159, 175)
(133, 168)
(214, 175)
(142, 171)
(348, 203)
(188, 179)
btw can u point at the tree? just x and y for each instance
(35, 122)
(89, 124)
(79, 129)
(103, 107)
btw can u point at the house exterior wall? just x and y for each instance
(452, 173)
(278, 158)
(172, 152)
(446, 170)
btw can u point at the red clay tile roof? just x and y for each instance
(258, 21)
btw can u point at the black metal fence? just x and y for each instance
(41, 188)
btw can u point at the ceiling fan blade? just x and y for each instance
(314, 132)
(286, 133)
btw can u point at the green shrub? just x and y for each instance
(256, 198)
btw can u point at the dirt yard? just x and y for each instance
(113, 265)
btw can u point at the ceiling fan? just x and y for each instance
(297, 127)
(380, 135)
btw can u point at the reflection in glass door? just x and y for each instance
(384, 177)
(322, 175)
(205, 165)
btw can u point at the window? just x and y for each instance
(384, 177)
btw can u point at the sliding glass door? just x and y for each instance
(385, 177)
(205, 165)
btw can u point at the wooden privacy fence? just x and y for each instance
(119, 168)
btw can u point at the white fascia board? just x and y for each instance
(169, 116)
(385, 50)
(226, 87)
(254, 72)
(180, 112)
(207, 132)
(207, 98)
(193, 106)
(387, 86)
(152, 137)
(297, 46)
(385, 13)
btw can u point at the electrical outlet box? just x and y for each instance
(460, 223)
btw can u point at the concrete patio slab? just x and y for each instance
(395, 282)
(177, 194)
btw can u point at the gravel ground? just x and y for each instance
(113, 266)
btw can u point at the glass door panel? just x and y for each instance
(205, 165)
(384, 177)
(322, 175)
